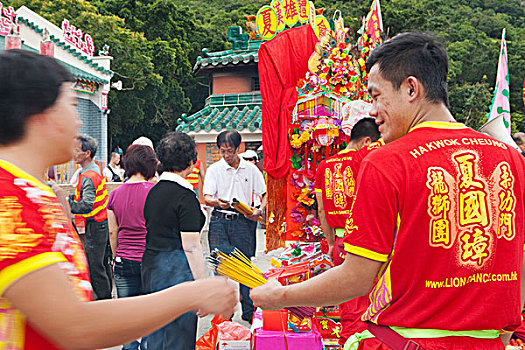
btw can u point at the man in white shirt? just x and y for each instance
(233, 178)
(112, 171)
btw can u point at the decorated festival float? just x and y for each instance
(313, 89)
(326, 85)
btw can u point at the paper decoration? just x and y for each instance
(311, 16)
(291, 12)
(353, 112)
(278, 7)
(322, 26)
(304, 10)
(267, 22)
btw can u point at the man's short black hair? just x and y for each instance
(176, 151)
(363, 128)
(88, 143)
(29, 84)
(229, 138)
(415, 54)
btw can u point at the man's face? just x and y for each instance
(229, 153)
(79, 155)
(65, 123)
(115, 159)
(522, 138)
(389, 106)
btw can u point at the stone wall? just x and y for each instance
(95, 124)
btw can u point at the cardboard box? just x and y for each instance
(233, 345)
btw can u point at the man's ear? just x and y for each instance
(413, 88)
(365, 141)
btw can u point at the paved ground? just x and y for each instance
(260, 261)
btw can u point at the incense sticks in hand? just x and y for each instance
(239, 268)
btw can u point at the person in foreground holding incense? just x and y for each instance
(44, 281)
(438, 218)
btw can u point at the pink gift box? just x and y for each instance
(275, 340)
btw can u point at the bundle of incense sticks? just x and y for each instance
(239, 268)
(243, 208)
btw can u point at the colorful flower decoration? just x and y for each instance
(304, 198)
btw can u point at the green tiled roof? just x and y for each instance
(77, 72)
(243, 50)
(65, 46)
(227, 57)
(83, 75)
(225, 112)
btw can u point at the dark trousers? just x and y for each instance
(161, 270)
(129, 284)
(98, 253)
(239, 233)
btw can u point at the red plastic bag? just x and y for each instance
(208, 341)
(233, 331)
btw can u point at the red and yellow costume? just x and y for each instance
(34, 233)
(335, 179)
(443, 209)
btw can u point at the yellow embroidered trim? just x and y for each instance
(366, 253)
(16, 171)
(13, 272)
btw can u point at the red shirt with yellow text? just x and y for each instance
(335, 180)
(442, 208)
(34, 233)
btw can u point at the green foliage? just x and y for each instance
(155, 45)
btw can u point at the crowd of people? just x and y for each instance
(424, 216)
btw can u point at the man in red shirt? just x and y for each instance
(44, 281)
(335, 185)
(335, 191)
(439, 218)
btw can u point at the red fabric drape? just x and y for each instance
(282, 62)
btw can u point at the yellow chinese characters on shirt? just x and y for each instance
(460, 207)
(339, 186)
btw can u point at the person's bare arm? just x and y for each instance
(202, 173)
(209, 200)
(353, 278)
(46, 298)
(328, 231)
(191, 243)
(113, 231)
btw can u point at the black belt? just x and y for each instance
(227, 216)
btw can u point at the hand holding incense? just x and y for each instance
(239, 268)
(243, 208)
